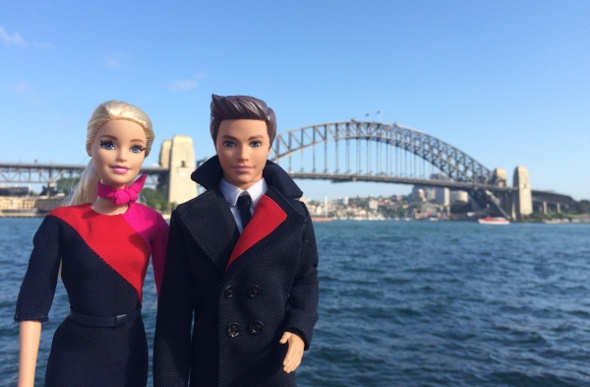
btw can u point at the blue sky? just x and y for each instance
(507, 82)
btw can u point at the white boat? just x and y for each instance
(318, 219)
(493, 220)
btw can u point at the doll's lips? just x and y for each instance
(243, 168)
(119, 169)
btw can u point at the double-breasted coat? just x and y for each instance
(227, 298)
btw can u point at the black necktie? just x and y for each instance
(244, 208)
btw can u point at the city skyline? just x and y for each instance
(506, 82)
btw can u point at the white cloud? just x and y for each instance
(11, 39)
(117, 60)
(112, 61)
(185, 84)
(22, 87)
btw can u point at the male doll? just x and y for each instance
(239, 297)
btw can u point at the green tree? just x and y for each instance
(67, 184)
(154, 199)
(583, 207)
(46, 191)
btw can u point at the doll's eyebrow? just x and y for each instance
(255, 137)
(138, 140)
(135, 140)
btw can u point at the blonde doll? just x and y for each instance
(102, 241)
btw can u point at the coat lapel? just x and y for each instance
(211, 225)
(268, 215)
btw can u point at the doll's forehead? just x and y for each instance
(243, 127)
(123, 129)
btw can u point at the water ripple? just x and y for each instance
(411, 304)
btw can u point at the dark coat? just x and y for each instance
(240, 292)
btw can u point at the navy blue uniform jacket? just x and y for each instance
(226, 299)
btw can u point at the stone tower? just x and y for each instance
(523, 197)
(178, 155)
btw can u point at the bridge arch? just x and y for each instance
(455, 164)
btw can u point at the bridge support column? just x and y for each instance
(523, 197)
(178, 155)
(558, 208)
(544, 208)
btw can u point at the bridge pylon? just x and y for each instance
(178, 156)
(514, 203)
(523, 196)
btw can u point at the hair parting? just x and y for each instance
(241, 107)
(85, 190)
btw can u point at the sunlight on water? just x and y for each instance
(410, 303)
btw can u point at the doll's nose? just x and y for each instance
(121, 155)
(244, 153)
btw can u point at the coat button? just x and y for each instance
(228, 292)
(256, 327)
(233, 329)
(253, 291)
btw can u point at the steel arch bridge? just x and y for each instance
(380, 152)
(350, 151)
(372, 151)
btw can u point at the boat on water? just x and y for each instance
(493, 220)
(321, 219)
(325, 217)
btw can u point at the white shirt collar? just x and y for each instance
(231, 192)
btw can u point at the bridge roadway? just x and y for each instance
(380, 178)
(37, 173)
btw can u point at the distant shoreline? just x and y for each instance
(41, 214)
(166, 216)
(21, 214)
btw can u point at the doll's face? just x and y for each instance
(243, 147)
(118, 152)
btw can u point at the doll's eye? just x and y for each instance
(229, 144)
(255, 144)
(137, 149)
(107, 144)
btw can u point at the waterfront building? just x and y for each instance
(373, 204)
(17, 206)
(460, 196)
(14, 191)
(440, 195)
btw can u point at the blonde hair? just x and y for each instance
(85, 191)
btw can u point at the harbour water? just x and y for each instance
(409, 304)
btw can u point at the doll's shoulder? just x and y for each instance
(146, 221)
(74, 216)
(144, 212)
(205, 201)
(69, 212)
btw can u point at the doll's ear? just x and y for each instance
(88, 149)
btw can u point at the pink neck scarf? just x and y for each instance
(121, 196)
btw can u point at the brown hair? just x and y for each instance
(241, 107)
